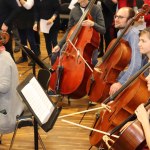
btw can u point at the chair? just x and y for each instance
(26, 118)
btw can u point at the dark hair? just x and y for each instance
(145, 31)
(131, 13)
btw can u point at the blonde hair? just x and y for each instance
(145, 31)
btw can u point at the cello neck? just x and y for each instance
(79, 24)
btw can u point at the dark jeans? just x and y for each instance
(51, 40)
(28, 34)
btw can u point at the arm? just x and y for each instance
(134, 66)
(27, 4)
(56, 8)
(143, 116)
(99, 24)
(136, 59)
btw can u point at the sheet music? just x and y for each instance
(44, 27)
(38, 100)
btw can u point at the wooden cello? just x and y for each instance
(4, 37)
(114, 61)
(132, 138)
(71, 70)
(122, 107)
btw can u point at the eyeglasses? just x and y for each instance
(119, 17)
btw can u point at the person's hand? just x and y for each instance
(142, 114)
(88, 23)
(51, 20)
(4, 27)
(114, 88)
(35, 27)
(55, 49)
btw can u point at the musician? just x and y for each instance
(122, 17)
(75, 14)
(8, 11)
(9, 99)
(142, 115)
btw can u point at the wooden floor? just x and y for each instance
(63, 136)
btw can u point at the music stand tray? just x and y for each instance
(38, 102)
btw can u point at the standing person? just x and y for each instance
(109, 10)
(9, 99)
(24, 23)
(125, 3)
(75, 14)
(48, 10)
(8, 11)
(122, 18)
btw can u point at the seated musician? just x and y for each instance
(10, 104)
(75, 15)
(142, 115)
(122, 18)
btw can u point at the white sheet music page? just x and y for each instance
(38, 100)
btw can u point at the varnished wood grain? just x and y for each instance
(63, 136)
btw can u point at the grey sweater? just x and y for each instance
(9, 99)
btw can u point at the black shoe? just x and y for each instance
(21, 60)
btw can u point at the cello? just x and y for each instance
(114, 61)
(123, 106)
(73, 67)
(4, 37)
(132, 138)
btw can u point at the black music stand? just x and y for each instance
(26, 89)
(35, 60)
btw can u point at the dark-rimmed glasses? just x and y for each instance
(119, 17)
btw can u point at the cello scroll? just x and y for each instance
(4, 37)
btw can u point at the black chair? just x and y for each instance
(26, 118)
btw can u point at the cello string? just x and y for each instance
(78, 52)
(85, 127)
(80, 112)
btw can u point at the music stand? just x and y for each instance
(35, 60)
(38, 102)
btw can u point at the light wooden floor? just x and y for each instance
(63, 136)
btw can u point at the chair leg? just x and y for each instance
(14, 135)
(41, 142)
(1, 138)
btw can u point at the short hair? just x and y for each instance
(131, 12)
(145, 31)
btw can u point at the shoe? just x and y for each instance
(16, 50)
(21, 60)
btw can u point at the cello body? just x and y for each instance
(132, 137)
(121, 108)
(75, 72)
(108, 72)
